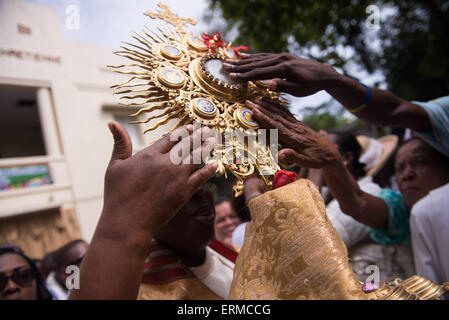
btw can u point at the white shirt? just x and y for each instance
(238, 236)
(429, 225)
(216, 273)
(351, 231)
(55, 288)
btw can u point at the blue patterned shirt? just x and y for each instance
(398, 229)
(438, 111)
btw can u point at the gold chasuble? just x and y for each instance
(165, 277)
(292, 251)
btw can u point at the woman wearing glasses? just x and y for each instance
(19, 277)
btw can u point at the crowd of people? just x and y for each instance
(162, 235)
(24, 278)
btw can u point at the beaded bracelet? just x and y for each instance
(365, 102)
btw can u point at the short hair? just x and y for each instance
(348, 142)
(238, 204)
(222, 199)
(58, 255)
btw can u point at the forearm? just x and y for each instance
(383, 109)
(363, 207)
(316, 176)
(113, 265)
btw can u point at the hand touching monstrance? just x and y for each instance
(175, 75)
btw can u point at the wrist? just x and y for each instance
(123, 230)
(335, 163)
(133, 216)
(252, 195)
(338, 83)
(334, 81)
(352, 94)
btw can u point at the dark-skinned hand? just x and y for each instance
(254, 186)
(301, 145)
(144, 191)
(286, 72)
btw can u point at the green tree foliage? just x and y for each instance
(412, 42)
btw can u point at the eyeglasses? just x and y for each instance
(23, 278)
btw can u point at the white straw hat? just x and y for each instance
(375, 153)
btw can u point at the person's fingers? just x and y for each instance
(267, 117)
(272, 110)
(200, 154)
(286, 135)
(195, 142)
(290, 156)
(295, 88)
(264, 120)
(166, 143)
(122, 142)
(256, 55)
(274, 107)
(276, 112)
(250, 65)
(286, 86)
(183, 149)
(275, 71)
(248, 58)
(201, 176)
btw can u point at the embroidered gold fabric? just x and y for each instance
(292, 251)
(177, 78)
(184, 289)
(160, 281)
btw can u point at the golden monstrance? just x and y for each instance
(177, 75)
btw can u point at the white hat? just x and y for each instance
(375, 153)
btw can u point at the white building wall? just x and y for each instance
(75, 84)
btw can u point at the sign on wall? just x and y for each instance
(20, 177)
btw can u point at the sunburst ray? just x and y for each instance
(169, 111)
(168, 80)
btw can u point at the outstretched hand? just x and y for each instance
(288, 73)
(142, 193)
(147, 189)
(254, 186)
(301, 145)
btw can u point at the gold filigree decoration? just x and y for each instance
(175, 75)
(412, 288)
(170, 17)
(292, 251)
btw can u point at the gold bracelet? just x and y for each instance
(356, 109)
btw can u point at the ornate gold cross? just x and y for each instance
(170, 17)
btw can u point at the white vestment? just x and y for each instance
(429, 224)
(350, 230)
(216, 273)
